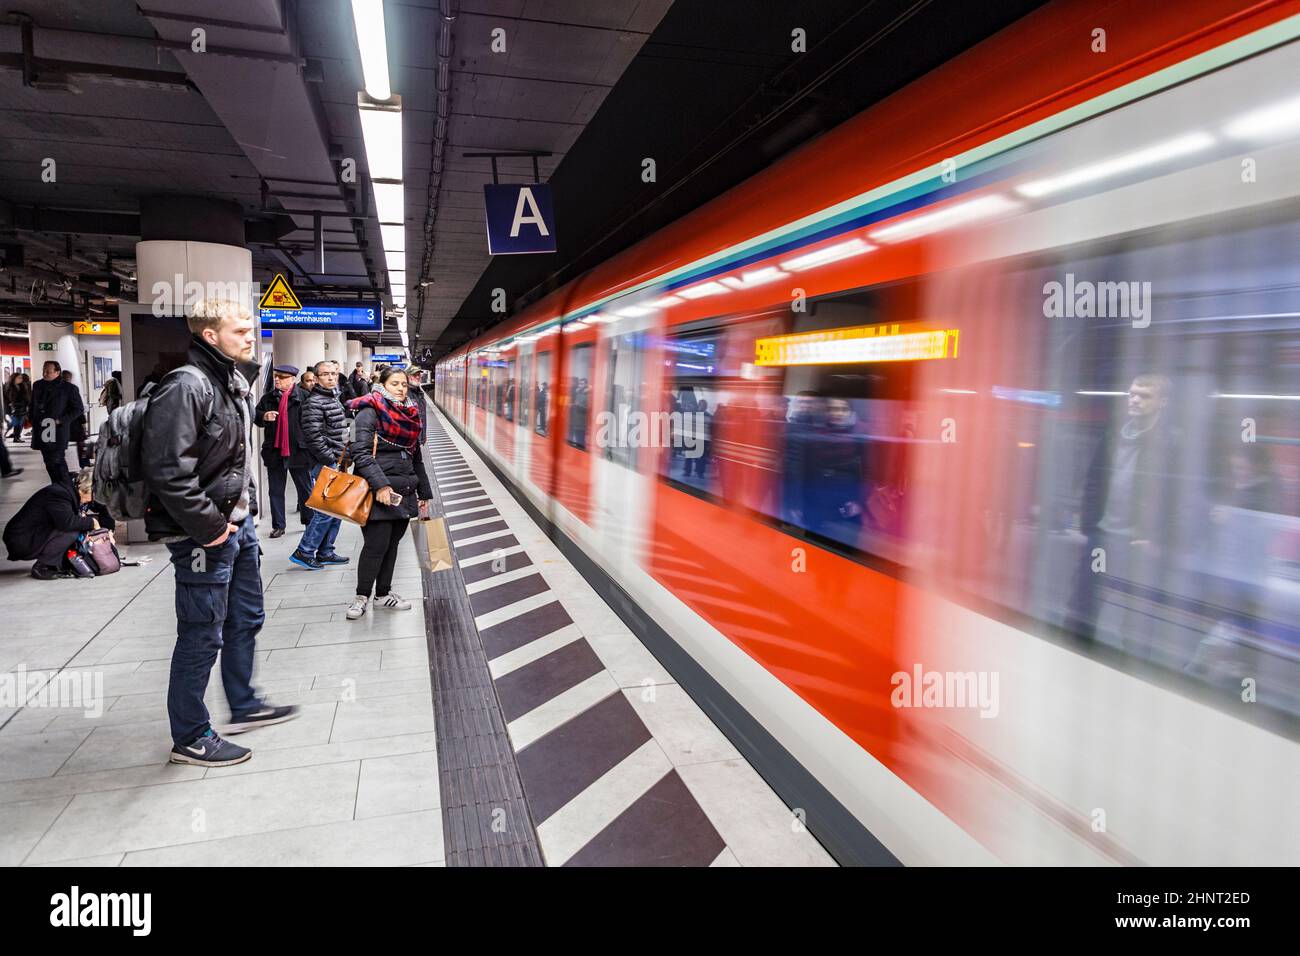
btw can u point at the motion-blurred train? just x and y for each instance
(952, 462)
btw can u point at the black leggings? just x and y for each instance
(379, 555)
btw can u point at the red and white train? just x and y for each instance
(952, 462)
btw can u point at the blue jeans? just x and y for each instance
(218, 608)
(321, 530)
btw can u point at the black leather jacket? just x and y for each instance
(195, 463)
(324, 426)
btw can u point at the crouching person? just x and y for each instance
(197, 462)
(50, 523)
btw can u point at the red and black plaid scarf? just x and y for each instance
(398, 424)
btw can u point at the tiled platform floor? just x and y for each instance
(352, 781)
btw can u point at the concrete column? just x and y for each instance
(190, 248)
(336, 348)
(66, 351)
(300, 347)
(354, 356)
(367, 357)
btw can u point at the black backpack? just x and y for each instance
(119, 477)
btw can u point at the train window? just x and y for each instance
(617, 433)
(508, 391)
(521, 414)
(542, 395)
(579, 395)
(692, 400)
(820, 449)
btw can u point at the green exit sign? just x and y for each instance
(45, 346)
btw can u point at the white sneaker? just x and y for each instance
(356, 608)
(393, 601)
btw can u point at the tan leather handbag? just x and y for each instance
(342, 495)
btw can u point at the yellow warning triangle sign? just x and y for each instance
(279, 296)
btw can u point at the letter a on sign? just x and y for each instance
(520, 218)
(279, 296)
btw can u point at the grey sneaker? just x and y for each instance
(210, 751)
(264, 716)
(357, 608)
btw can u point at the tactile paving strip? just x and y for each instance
(484, 815)
(580, 744)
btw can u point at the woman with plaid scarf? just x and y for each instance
(386, 452)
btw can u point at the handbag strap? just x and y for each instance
(374, 450)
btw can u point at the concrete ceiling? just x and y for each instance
(561, 59)
(264, 117)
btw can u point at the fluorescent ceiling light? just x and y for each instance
(381, 129)
(756, 277)
(368, 15)
(665, 302)
(945, 218)
(632, 311)
(819, 257)
(1267, 121)
(395, 261)
(701, 290)
(1117, 165)
(389, 202)
(394, 237)
(1275, 398)
(397, 277)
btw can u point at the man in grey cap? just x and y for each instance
(271, 416)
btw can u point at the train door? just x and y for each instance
(574, 452)
(624, 445)
(541, 412)
(506, 397)
(522, 409)
(479, 370)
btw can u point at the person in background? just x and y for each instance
(386, 452)
(299, 460)
(325, 432)
(1129, 502)
(18, 403)
(198, 468)
(50, 522)
(77, 433)
(415, 391)
(110, 396)
(360, 384)
(272, 416)
(55, 405)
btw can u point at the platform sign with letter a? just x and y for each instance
(520, 218)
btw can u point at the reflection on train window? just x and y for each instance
(620, 431)
(525, 380)
(822, 449)
(694, 399)
(579, 395)
(1136, 486)
(542, 394)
